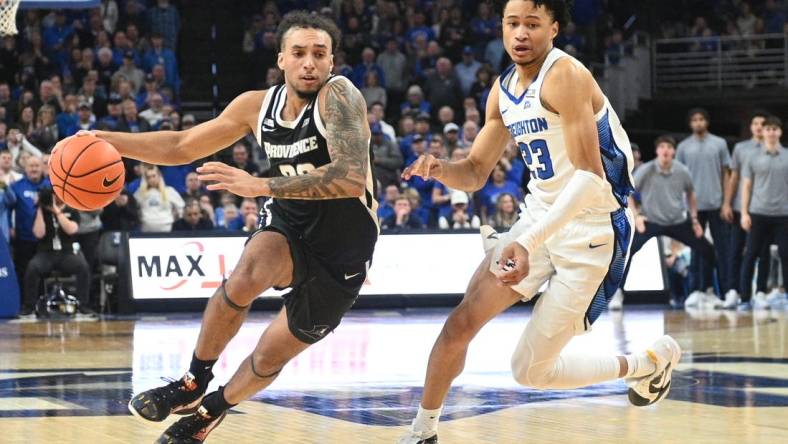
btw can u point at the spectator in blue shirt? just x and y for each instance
(7, 203)
(57, 34)
(158, 54)
(26, 191)
(419, 29)
(498, 184)
(367, 64)
(164, 19)
(386, 207)
(415, 103)
(483, 24)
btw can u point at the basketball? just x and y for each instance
(86, 172)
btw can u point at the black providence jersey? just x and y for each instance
(341, 231)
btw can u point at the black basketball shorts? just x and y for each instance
(321, 293)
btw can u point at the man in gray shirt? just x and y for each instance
(764, 208)
(663, 185)
(731, 213)
(707, 158)
(395, 68)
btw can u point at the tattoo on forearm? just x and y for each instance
(348, 145)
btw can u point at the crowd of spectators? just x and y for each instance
(425, 69)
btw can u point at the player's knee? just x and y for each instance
(266, 366)
(527, 373)
(459, 328)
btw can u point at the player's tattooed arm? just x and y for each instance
(347, 134)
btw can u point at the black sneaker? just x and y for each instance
(26, 311)
(191, 429)
(181, 397)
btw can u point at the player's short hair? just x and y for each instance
(307, 20)
(665, 139)
(773, 120)
(560, 10)
(702, 111)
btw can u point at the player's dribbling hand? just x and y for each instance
(512, 265)
(234, 180)
(426, 167)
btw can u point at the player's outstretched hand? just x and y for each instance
(234, 180)
(426, 167)
(512, 265)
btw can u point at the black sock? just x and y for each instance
(215, 403)
(202, 371)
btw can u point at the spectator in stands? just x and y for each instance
(159, 204)
(459, 218)
(637, 157)
(415, 104)
(85, 119)
(470, 130)
(372, 90)
(442, 86)
(241, 159)
(664, 185)
(249, 207)
(154, 113)
(16, 143)
(569, 36)
(497, 184)
(130, 71)
(188, 121)
(164, 20)
(113, 114)
(162, 54)
(764, 210)
(395, 70)
(707, 158)
(451, 139)
(109, 14)
(122, 214)
(513, 163)
(506, 212)
(387, 155)
(7, 197)
(480, 89)
(466, 70)
(418, 147)
(46, 133)
(229, 214)
(55, 225)
(416, 207)
(194, 188)
(193, 219)
(7, 173)
(403, 218)
(26, 191)
(731, 213)
(131, 123)
(483, 25)
(207, 208)
(445, 116)
(367, 65)
(386, 207)
(379, 111)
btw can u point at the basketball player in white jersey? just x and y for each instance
(574, 234)
(316, 237)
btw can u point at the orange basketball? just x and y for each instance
(86, 172)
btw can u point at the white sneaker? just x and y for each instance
(617, 301)
(710, 300)
(777, 299)
(648, 390)
(759, 301)
(419, 438)
(694, 299)
(489, 237)
(732, 300)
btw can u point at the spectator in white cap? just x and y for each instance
(451, 134)
(460, 216)
(188, 121)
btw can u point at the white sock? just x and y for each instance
(639, 365)
(426, 420)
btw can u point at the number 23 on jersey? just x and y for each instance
(297, 170)
(537, 157)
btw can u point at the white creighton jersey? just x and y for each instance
(539, 135)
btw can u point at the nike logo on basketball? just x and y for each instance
(596, 246)
(109, 183)
(351, 276)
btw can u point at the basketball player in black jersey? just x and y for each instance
(318, 230)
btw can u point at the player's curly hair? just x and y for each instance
(560, 10)
(306, 19)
